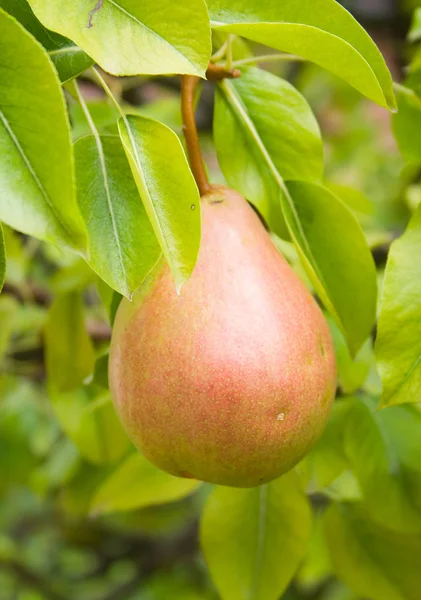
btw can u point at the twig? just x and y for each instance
(266, 58)
(219, 54)
(31, 292)
(188, 88)
(219, 72)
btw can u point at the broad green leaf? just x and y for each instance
(70, 355)
(414, 34)
(137, 483)
(373, 561)
(383, 452)
(334, 251)
(398, 344)
(76, 276)
(69, 60)
(103, 115)
(317, 567)
(184, 582)
(319, 30)
(36, 165)
(415, 65)
(328, 237)
(254, 539)
(101, 371)
(170, 518)
(327, 458)
(239, 47)
(17, 260)
(285, 126)
(75, 497)
(353, 198)
(86, 414)
(89, 419)
(58, 468)
(352, 373)
(2, 259)
(123, 246)
(405, 122)
(168, 191)
(109, 298)
(128, 37)
(413, 82)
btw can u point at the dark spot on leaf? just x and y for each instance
(93, 11)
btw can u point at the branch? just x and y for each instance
(219, 72)
(188, 88)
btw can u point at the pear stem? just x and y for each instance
(188, 88)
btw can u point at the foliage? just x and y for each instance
(95, 187)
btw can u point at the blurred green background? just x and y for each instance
(53, 544)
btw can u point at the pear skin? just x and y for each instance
(232, 381)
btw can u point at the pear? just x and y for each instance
(230, 382)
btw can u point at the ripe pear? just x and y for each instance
(230, 382)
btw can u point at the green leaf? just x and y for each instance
(405, 122)
(316, 568)
(414, 34)
(101, 371)
(382, 450)
(86, 415)
(89, 419)
(285, 126)
(127, 37)
(172, 202)
(69, 60)
(373, 561)
(16, 258)
(75, 497)
(328, 237)
(398, 344)
(254, 539)
(70, 355)
(36, 166)
(76, 276)
(137, 483)
(415, 65)
(323, 32)
(352, 373)
(327, 458)
(338, 261)
(59, 467)
(353, 198)
(123, 246)
(2, 259)
(103, 114)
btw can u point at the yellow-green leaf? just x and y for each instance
(36, 165)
